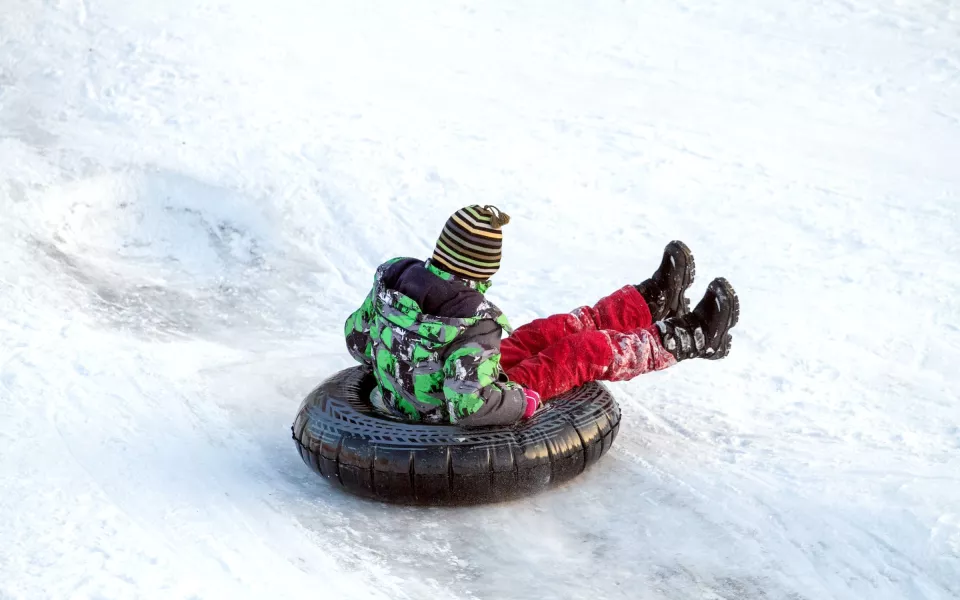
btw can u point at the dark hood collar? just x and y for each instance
(473, 284)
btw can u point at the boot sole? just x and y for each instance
(690, 272)
(731, 294)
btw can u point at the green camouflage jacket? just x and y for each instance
(431, 368)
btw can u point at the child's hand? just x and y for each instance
(533, 402)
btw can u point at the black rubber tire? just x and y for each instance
(339, 436)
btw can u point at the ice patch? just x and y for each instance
(168, 220)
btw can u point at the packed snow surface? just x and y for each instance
(195, 194)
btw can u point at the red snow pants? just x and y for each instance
(612, 341)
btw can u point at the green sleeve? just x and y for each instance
(357, 332)
(472, 388)
(357, 327)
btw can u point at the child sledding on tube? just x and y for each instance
(434, 342)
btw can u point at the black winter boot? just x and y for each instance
(704, 333)
(665, 290)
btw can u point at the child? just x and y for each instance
(433, 339)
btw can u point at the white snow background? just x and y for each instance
(195, 194)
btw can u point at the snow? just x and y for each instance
(195, 195)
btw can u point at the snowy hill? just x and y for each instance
(195, 194)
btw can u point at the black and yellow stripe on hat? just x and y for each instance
(470, 243)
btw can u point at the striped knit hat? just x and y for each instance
(469, 245)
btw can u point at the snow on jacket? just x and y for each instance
(433, 342)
